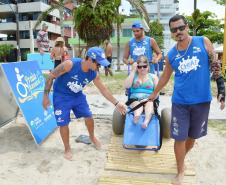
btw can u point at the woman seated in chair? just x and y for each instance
(141, 84)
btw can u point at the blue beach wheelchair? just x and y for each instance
(137, 138)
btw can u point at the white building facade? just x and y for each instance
(27, 12)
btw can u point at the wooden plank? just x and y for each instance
(129, 180)
(162, 162)
(129, 167)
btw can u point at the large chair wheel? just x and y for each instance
(118, 122)
(165, 121)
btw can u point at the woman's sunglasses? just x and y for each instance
(181, 28)
(144, 66)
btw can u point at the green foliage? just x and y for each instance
(94, 25)
(156, 31)
(5, 50)
(206, 24)
(222, 2)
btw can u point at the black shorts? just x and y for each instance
(56, 63)
(109, 60)
(130, 101)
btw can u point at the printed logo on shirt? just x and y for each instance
(189, 64)
(196, 49)
(75, 77)
(86, 81)
(139, 51)
(74, 86)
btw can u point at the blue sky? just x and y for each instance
(186, 7)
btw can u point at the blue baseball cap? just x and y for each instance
(137, 24)
(97, 54)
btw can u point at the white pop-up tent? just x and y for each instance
(219, 49)
(3, 35)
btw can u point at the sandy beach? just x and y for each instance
(22, 162)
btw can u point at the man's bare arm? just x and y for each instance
(58, 71)
(126, 55)
(156, 50)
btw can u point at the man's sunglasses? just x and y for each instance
(144, 66)
(181, 28)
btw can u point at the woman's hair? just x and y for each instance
(143, 59)
(58, 43)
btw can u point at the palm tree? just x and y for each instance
(93, 17)
(55, 5)
(139, 6)
(195, 5)
(94, 20)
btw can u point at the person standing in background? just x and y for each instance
(141, 45)
(108, 54)
(58, 51)
(42, 39)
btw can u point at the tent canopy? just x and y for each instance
(219, 49)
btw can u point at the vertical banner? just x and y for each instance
(27, 84)
(44, 60)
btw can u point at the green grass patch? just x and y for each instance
(114, 83)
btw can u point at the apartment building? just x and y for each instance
(162, 10)
(26, 12)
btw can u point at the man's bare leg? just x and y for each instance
(64, 132)
(189, 144)
(106, 71)
(181, 148)
(110, 71)
(90, 127)
(180, 152)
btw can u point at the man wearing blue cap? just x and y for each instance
(71, 77)
(141, 45)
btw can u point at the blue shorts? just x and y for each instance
(189, 121)
(64, 105)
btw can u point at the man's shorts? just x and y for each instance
(109, 60)
(189, 121)
(64, 105)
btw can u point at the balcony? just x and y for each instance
(7, 8)
(7, 26)
(36, 7)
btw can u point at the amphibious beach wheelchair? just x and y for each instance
(137, 138)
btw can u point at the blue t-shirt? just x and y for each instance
(73, 82)
(141, 47)
(192, 73)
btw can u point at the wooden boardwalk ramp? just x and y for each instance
(129, 167)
